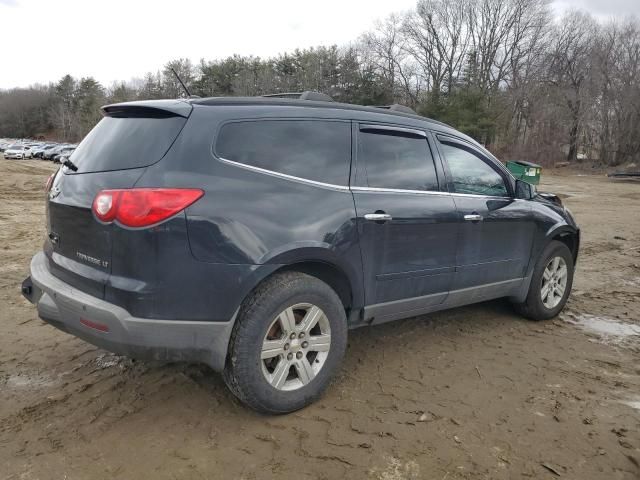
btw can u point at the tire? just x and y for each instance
(537, 305)
(263, 317)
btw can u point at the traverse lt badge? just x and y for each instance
(93, 260)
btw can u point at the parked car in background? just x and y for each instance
(37, 150)
(251, 233)
(4, 144)
(45, 148)
(49, 154)
(17, 151)
(64, 154)
(29, 147)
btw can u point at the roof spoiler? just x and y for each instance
(306, 95)
(149, 108)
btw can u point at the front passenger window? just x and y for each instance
(470, 174)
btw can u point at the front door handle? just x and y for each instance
(378, 217)
(474, 217)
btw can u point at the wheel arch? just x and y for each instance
(564, 233)
(569, 236)
(344, 282)
(330, 274)
(324, 263)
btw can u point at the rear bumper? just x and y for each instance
(111, 327)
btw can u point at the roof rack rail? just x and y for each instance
(306, 95)
(396, 107)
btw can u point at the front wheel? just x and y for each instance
(288, 341)
(550, 284)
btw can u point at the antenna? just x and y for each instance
(181, 83)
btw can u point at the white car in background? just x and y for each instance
(32, 149)
(17, 152)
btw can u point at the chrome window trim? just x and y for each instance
(285, 176)
(342, 188)
(428, 192)
(497, 197)
(397, 190)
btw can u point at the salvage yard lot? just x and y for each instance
(475, 392)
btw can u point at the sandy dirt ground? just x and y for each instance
(472, 393)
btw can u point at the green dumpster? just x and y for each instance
(525, 171)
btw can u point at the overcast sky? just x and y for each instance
(120, 39)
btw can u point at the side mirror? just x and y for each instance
(524, 190)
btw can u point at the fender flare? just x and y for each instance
(563, 229)
(550, 235)
(319, 252)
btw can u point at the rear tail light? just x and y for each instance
(142, 207)
(49, 182)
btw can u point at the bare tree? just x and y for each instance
(616, 75)
(386, 47)
(570, 62)
(437, 33)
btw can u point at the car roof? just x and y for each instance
(183, 108)
(292, 102)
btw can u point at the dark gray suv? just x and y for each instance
(251, 234)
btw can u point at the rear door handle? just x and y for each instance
(378, 217)
(474, 217)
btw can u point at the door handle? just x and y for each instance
(474, 217)
(378, 217)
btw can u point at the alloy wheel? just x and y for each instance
(295, 347)
(554, 282)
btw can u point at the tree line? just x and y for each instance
(506, 72)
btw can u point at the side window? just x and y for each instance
(395, 159)
(470, 174)
(317, 150)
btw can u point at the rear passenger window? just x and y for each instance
(316, 150)
(396, 159)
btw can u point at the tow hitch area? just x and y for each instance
(28, 290)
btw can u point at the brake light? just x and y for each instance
(49, 182)
(142, 207)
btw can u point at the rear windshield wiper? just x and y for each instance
(70, 165)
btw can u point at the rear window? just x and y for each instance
(318, 150)
(118, 143)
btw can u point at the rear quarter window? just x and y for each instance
(318, 150)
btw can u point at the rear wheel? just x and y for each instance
(550, 284)
(288, 341)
